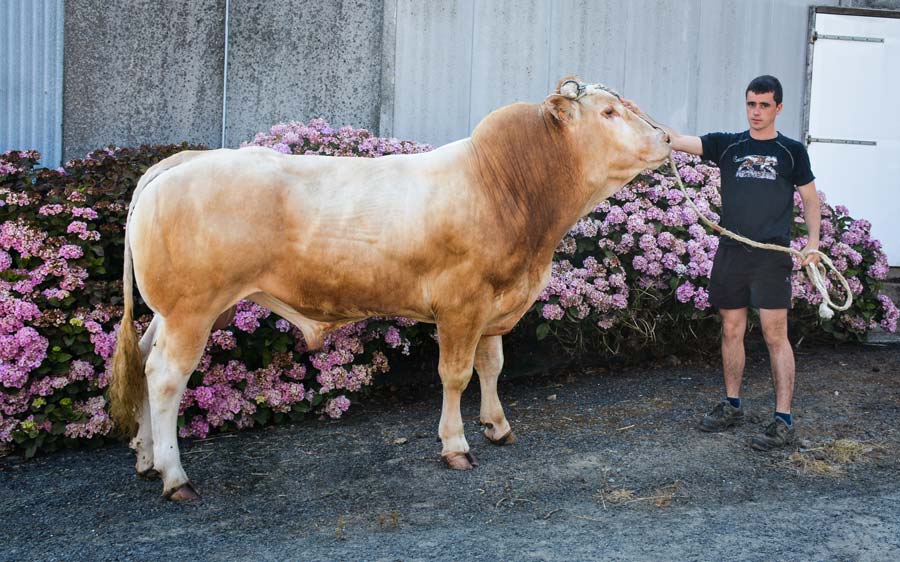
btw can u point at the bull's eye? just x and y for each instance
(609, 112)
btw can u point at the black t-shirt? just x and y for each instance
(758, 180)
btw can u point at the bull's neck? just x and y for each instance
(536, 191)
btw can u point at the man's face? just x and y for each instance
(761, 110)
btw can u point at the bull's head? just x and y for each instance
(615, 143)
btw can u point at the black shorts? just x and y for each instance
(743, 276)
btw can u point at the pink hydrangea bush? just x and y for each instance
(60, 271)
(860, 259)
(60, 268)
(258, 370)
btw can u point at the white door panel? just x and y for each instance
(853, 97)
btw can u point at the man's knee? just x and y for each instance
(774, 327)
(733, 332)
(734, 324)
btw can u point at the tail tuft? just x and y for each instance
(128, 385)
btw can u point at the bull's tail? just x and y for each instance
(128, 385)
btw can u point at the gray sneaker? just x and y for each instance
(723, 416)
(776, 436)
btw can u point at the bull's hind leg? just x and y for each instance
(457, 353)
(175, 353)
(142, 443)
(488, 364)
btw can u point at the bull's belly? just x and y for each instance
(319, 305)
(336, 296)
(317, 308)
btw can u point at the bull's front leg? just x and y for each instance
(457, 351)
(488, 364)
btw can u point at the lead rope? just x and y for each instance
(815, 271)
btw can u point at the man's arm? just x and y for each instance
(813, 215)
(683, 143)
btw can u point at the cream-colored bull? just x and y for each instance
(462, 236)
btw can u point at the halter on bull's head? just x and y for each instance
(621, 143)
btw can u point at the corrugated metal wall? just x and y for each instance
(686, 62)
(31, 70)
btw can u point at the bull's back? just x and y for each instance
(338, 235)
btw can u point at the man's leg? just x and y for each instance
(780, 432)
(781, 356)
(734, 325)
(729, 412)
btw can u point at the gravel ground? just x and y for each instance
(608, 466)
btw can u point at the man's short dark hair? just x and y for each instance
(765, 84)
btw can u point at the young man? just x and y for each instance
(760, 168)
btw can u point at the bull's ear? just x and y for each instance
(560, 107)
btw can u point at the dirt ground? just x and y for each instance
(608, 465)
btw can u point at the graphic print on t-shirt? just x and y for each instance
(756, 166)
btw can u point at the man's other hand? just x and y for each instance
(810, 255)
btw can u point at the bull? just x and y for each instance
(462, 237)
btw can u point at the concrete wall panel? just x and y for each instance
(744, 40)
(871, 4)
(142, 71)
(297, 60)
(152, 70)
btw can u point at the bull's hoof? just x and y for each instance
(508, 438)
(149, 474)
(183, 493)
(460, 461)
